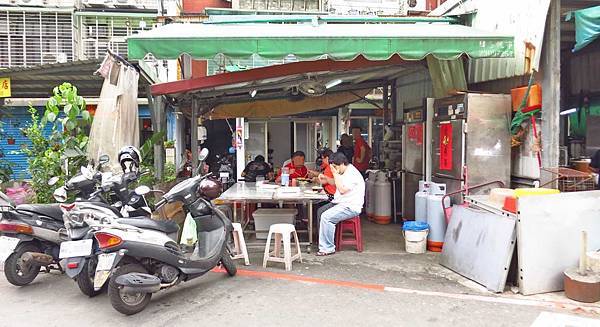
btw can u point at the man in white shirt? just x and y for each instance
(347, 202)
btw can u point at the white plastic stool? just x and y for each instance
(283, 232)
(240, 244)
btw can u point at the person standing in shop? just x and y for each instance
(362, 151)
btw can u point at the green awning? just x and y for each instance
(587, 26)
(309, 42)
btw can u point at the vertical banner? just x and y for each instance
(415, 133)
(446, 146)
(5, 87)
(240, 148)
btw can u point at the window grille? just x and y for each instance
(99, 33)
(35, 38)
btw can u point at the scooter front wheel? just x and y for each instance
(127, 303)
(16, 271)
(228, 264)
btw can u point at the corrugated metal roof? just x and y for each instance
(524, 19)
(584, 71)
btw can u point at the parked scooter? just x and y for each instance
(143, 260)
(31, 233)
(80, 250)
(226, 173)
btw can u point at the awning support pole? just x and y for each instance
(394, 100)
(159, 122)
(386, 102)
(194, 135)
(550, 66)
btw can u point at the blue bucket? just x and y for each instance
(415, 226)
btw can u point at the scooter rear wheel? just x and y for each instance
(15, 271)
(85, 279)
(127, 304)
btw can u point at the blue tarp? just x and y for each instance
(587, 26)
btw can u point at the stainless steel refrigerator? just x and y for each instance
(471, 138)
(414, 149)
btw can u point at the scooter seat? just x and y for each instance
(48, 210)
(166, 227)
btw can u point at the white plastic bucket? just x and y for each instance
(415, 241)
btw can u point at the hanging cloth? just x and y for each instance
(116, 121)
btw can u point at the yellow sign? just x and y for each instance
(4, 87)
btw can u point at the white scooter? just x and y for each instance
(141, 260)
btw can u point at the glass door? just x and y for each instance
(256, 140)
(311, 135)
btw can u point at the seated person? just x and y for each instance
(325, 178)
(347, 202)
(257, 168)
(296, 167)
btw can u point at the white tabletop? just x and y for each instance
(243, 191)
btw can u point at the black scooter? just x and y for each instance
(30, 234)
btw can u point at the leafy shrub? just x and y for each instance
(67, 115)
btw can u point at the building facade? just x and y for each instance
(45, 36)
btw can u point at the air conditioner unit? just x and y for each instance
(416, 5)
(55, 57)
(128, 4)
(63, 3)
(31, 3)
(97, 3)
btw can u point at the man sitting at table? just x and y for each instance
(347, 202)
(296, 167)
(257, 168)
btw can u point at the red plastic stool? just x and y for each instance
(350, 225)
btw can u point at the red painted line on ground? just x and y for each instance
(573, 307)
(297, 278)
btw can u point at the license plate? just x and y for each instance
(7, 246)
(73, 249)
(105, 261)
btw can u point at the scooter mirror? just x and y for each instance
(142, 190)
(53, 180)
(104, 159)
(87, 172)
(60, 194)
(203, 154)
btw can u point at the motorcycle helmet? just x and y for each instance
(129, 157)
(210, 189)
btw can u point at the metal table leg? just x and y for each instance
(235, 212)
(310, 226)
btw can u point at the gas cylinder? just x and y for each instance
(370, 197)
(435, 217)
(421, 202)
(382, 199)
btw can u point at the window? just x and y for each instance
(35, 38)
(99, 33)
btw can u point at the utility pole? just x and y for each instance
(550, 67)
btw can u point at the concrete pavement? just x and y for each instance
(408, 290)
